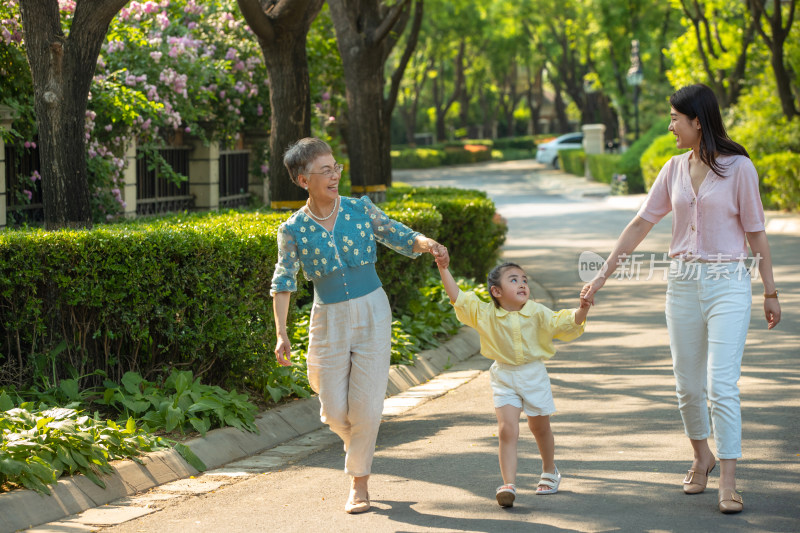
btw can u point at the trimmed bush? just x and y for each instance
(398, 272)
(572, 161)
(630, 165)
(780, 178)
(465, 151)
(656, 156)
(527, 142)
(189, 291)
(482, 142)
(512, 154)
(416, 158)
(466, 154)
(603, 166)
(469, 227)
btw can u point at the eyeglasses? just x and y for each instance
(337, 169)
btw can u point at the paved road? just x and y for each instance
(619, 439)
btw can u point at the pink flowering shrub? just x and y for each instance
(166, 66)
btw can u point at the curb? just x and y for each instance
(24, 508)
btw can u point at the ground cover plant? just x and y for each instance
(41, 443)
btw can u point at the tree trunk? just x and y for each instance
(439, 88)
(486, 114)
(409, 117)
(366, 33)
(409, 112)
(560, 108)
(534, 97)
(775, 42)
(62, 68)
(290, 104)
(370, 160)
(437, 94)
(463, 111)
(282, 30)
(784, 83)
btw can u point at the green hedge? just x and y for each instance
(464, 151)
(469, 227)
(656, 156)
(417, 158)
(512, 154)
(186, 291)
(603, 166)
(527, 142)
(189, 291)
(398, 272)
(780, 178)
(572, 161)
(630, 162)
(463, 155)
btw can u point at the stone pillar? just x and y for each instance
(593, 142)
(204, 175)
(129, 180)
(7, 117)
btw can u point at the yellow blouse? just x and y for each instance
(516, 337)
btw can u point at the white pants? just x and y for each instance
(524, 386)
(348, 366)
(708, 313)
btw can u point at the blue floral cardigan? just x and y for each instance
(349, 249)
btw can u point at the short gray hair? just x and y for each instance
(301, 154)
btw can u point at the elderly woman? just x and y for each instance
(335, 240)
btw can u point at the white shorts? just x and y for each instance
(524, 386)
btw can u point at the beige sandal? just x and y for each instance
(695, 482)
(730, 501)
(355, 504)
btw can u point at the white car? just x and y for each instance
(547, 153)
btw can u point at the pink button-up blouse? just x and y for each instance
(711, 225)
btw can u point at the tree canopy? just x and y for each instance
(381, 72)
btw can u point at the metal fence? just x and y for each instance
(20, 166)
(233, 178)
(155, 193)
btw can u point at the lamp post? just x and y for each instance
(635, 77)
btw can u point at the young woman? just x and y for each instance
(712, 191)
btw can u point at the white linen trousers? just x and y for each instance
(708, 313)
(348, 366)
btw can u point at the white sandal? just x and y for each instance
(506, 494)
(549, 480)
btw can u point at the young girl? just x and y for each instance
(518, 334)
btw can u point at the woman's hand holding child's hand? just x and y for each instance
(442, 257)
(586, 302)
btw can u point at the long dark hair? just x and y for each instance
(699, 101)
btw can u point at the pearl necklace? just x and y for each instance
(310, 212)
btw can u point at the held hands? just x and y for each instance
(588, 291)
(438, 251)
(283, 351)
(443, 257)
(435, 248)
(584, 304)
